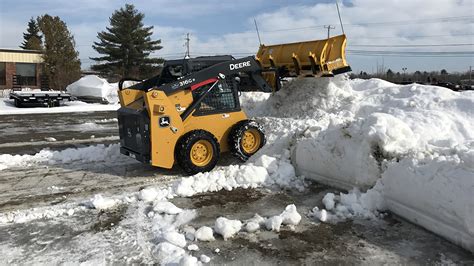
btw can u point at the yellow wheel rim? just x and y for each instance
(251, 141)
(201, 153)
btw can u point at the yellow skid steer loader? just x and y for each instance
(191, 113)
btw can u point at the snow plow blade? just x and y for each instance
(311, 58)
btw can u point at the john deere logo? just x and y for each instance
(164, 121)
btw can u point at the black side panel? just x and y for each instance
(134, 130)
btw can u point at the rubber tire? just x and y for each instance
(236, 134)
(183, 149)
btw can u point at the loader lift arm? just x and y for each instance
(244, 68)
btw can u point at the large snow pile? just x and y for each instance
(415, 142)
(93, 87)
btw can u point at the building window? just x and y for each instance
(3, 76)
(26, 74)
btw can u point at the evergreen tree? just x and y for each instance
(126, 45)
(32, 39)
(61, 62)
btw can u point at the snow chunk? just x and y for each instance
(254, 223)
(167, 253)
(252, 227)
(193, 247)
(328, 201)
(166, 207)
(274, 223)
(227, 228)
(189, 232)
(174, 238)
(270, 163)
(204, 258)
(150, 194)
(101, 203)
(290, 215)
(188, 260)
(204, 233)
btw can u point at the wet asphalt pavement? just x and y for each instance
(29, 133)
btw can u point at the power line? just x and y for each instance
(386, 23)
(419, 56)
(409, 52)
(413, 21)
(412, 45)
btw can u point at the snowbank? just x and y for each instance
(95, 153)
(417, 140)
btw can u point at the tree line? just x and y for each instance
(422, 77)
(124, 48)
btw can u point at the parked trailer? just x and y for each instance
(39, 98)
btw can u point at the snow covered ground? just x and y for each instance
(406, 149)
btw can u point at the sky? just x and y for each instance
(433, 34)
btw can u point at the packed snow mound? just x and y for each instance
(93, 87)
(416, 140)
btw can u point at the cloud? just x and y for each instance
(223, 27)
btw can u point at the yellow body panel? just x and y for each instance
(128, 96)
(163, 139)
(328, 55)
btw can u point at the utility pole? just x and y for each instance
(186, 55)
(329, 27)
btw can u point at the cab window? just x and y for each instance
(222, 98)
